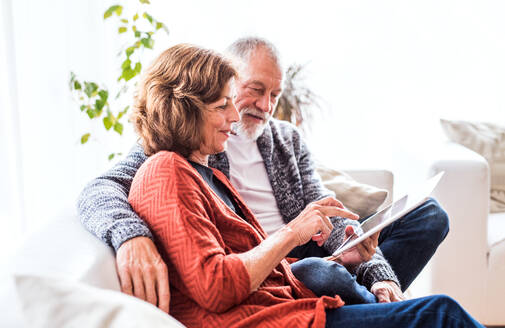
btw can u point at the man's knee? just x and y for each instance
(444, 303)
(438, 220)
(322, 276)
(445, 311)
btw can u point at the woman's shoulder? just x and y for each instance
(166, 163)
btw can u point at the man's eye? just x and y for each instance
(222, 106)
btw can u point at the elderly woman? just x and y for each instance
(224, 270)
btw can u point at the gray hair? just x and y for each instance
(243, 48)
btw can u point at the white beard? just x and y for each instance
(251, 131)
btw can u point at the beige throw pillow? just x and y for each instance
(360, 198)
(488, 140)
(50, 302)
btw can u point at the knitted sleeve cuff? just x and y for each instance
(374, 271)
(126, 230)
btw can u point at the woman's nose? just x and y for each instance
(233, 115)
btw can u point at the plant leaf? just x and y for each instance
(121, 113)
(126, 64)
(91, 113)
(77, 85)
(90, 88)
(107, 122)
(145, 1)
(159, 25)
(129, 51)
(110, 11)
(128, 74)
(111, 156)
(84, 138)
(118, 127)
(122, 29)
(99, 103)
(119, 10)
(103, 94)
(124, 20)
(147, 42)
(83, 107)
(138, 67)
(135, 17)
(148, 17)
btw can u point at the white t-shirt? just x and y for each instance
(249, 176)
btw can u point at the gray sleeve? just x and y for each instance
(367, 273)
(313, 188)
(103, 206)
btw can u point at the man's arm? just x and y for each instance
(104, 210)
(103, 204)
(368, 273)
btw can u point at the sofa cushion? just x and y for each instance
(360, 198)
(50, 302)
(488, 140)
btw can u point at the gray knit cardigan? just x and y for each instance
(104, 209)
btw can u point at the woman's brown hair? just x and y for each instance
(173, 92)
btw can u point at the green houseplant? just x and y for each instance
(297, 101)
(140, 29)
(94, 99)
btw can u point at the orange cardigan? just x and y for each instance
(198, 237)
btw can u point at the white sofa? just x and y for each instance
(470, 264)
(65, 250)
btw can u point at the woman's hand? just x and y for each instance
(314, 223)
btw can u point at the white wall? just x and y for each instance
(387, 70)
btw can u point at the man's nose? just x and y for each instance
(264, 103)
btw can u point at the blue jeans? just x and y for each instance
(410, 242)
(314, 270)
(418, 233)
(431, 311)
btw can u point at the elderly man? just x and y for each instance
(271, 167)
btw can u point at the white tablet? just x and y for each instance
(393, 212)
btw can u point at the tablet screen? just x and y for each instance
(385, 214)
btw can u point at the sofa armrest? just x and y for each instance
(464, 193)
(64, 248)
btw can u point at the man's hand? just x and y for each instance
(360, 253)
(387, 291)
(142, 272)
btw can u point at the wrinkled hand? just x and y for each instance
(313, 222)
(142, 272)
(360, 253)
(387, 291)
